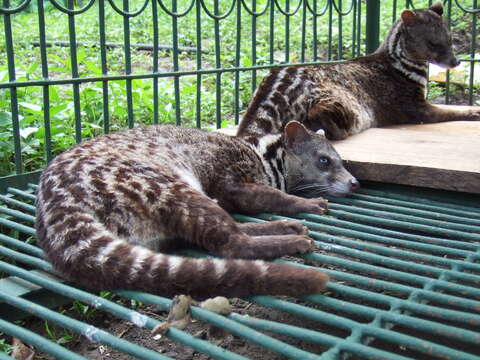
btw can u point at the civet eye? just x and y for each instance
(323, 160)
(433, 45)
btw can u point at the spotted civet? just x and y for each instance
(108, 208)
(385, 88)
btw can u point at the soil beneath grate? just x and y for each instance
(128, 331)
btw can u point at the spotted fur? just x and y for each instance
(384, 88)
(109, 208)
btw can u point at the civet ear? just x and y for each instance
(320, 132)
(408, 17)
(437, 7)
(295, 133)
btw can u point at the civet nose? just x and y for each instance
(454, 62)
(354, 185)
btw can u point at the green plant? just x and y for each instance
(435, 91)
(65, 337)
(4, 347)
(88, 311)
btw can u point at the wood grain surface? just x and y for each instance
(443, 155)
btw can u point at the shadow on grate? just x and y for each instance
(405, 284)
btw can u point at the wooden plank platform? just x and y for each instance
(442, 156)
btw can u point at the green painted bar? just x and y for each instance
(354, 29)
(428, 229)
(45, 89)
(218, 64)
(91, 332)
(359, 21)
(30, 249)
(373, 25)
(17, 214)
(238, 35)
(74, 64)
(152, 75)
(287, 32)
(37, 341)
(303, 32)
(21, 193)
(330, 25)
(26, 259)
(254, 45)
(176, 80)
(198, 103)
(271, 33)
(155, 61)
(103, 60)
(16, 226)
(473, 47)
(315, 31)
(11, 201)
(128, 63)
(4, 356)
(340, 30)
(438, 260)
(472, 211)
(401, 217)
(19, 181)
(447, 83)
(408, 211)
(394, 11)
(415, 206)
(7, 25)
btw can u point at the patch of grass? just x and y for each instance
(435, 91)
(87, 312)
(58, 335)
(4, 347)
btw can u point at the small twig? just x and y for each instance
(124, 331)
(151, 313)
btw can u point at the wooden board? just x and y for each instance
(443, 156)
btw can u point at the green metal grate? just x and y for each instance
(405, 268)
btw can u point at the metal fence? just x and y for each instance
(71, 70)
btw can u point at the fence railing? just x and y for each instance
(71, 70)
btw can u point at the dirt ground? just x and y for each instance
(162, 344)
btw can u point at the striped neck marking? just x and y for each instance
(414, 70)
(271, 153)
